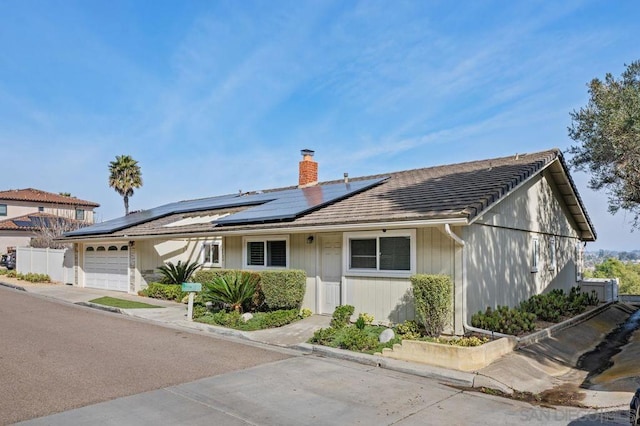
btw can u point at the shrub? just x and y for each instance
(305, 313)
(199, 311)
(368, 319)
(341, 316)
(178, 273)
(227, 319)
(504, 320)
(234, 290)
(12, 274)
(207, 276)
(433, 301)
(324, 336)
(34, 278)
(275, 318)
(408, 330)
(164, 291)
(463, 341)
(3, 271)
(354, 339)
(554, 305)
(260, 320)
(547, 307)
(283, 289)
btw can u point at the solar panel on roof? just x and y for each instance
(268, 206)
(23, 223)
(294, 202)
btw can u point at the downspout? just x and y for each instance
(465, 325)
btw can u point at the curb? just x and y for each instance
(100, 307)
(443, 375)
(15, 287)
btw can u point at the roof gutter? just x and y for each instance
(465, 325)
(276, 230)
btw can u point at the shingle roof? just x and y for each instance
(31, 222)
(456, 192)
(36, 195)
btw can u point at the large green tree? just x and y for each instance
(608, 132)
(628, 273)
(124, 177)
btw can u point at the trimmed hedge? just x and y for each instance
(208, 275)
(164, 291)
(283, 289)
(433, 298)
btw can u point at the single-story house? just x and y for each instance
(503, 229)
(23, 212)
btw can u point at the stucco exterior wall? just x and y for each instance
(500, 248)
(21, 208)
(14, 239)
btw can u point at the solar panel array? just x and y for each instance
(262, 207)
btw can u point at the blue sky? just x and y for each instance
(216, 96)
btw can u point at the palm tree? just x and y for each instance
(124, 177)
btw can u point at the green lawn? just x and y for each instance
(121, 303)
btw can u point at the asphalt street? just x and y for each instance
(56, 356)
(64, 364)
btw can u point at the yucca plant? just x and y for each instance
(178, 273)
(234, 290)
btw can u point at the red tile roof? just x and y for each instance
(38, 196)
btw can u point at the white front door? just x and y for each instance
(331, 272)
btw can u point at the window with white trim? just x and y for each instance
(266, 252)
(380, 253)
(3, 209)
(535, 254)
(553, 263)
(212, 253)
(79, 214)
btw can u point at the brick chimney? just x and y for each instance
(308, 175)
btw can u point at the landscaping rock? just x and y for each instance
(386, 335)
(246, 316)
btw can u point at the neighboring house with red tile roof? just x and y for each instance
(503, 229)
(24, 211)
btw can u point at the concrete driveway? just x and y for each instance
(315, 391)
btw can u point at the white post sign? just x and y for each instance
(191, 288)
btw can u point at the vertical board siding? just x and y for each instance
(232, 247)
(303, 256)
(389, 300)
(500, 248)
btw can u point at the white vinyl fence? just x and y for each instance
(57, 263)
(605, 288)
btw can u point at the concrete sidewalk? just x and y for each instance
(172, 313)
(539, 367)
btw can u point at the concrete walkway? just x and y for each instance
(542, 366)
(172, 313)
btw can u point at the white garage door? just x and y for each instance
(107, 267)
